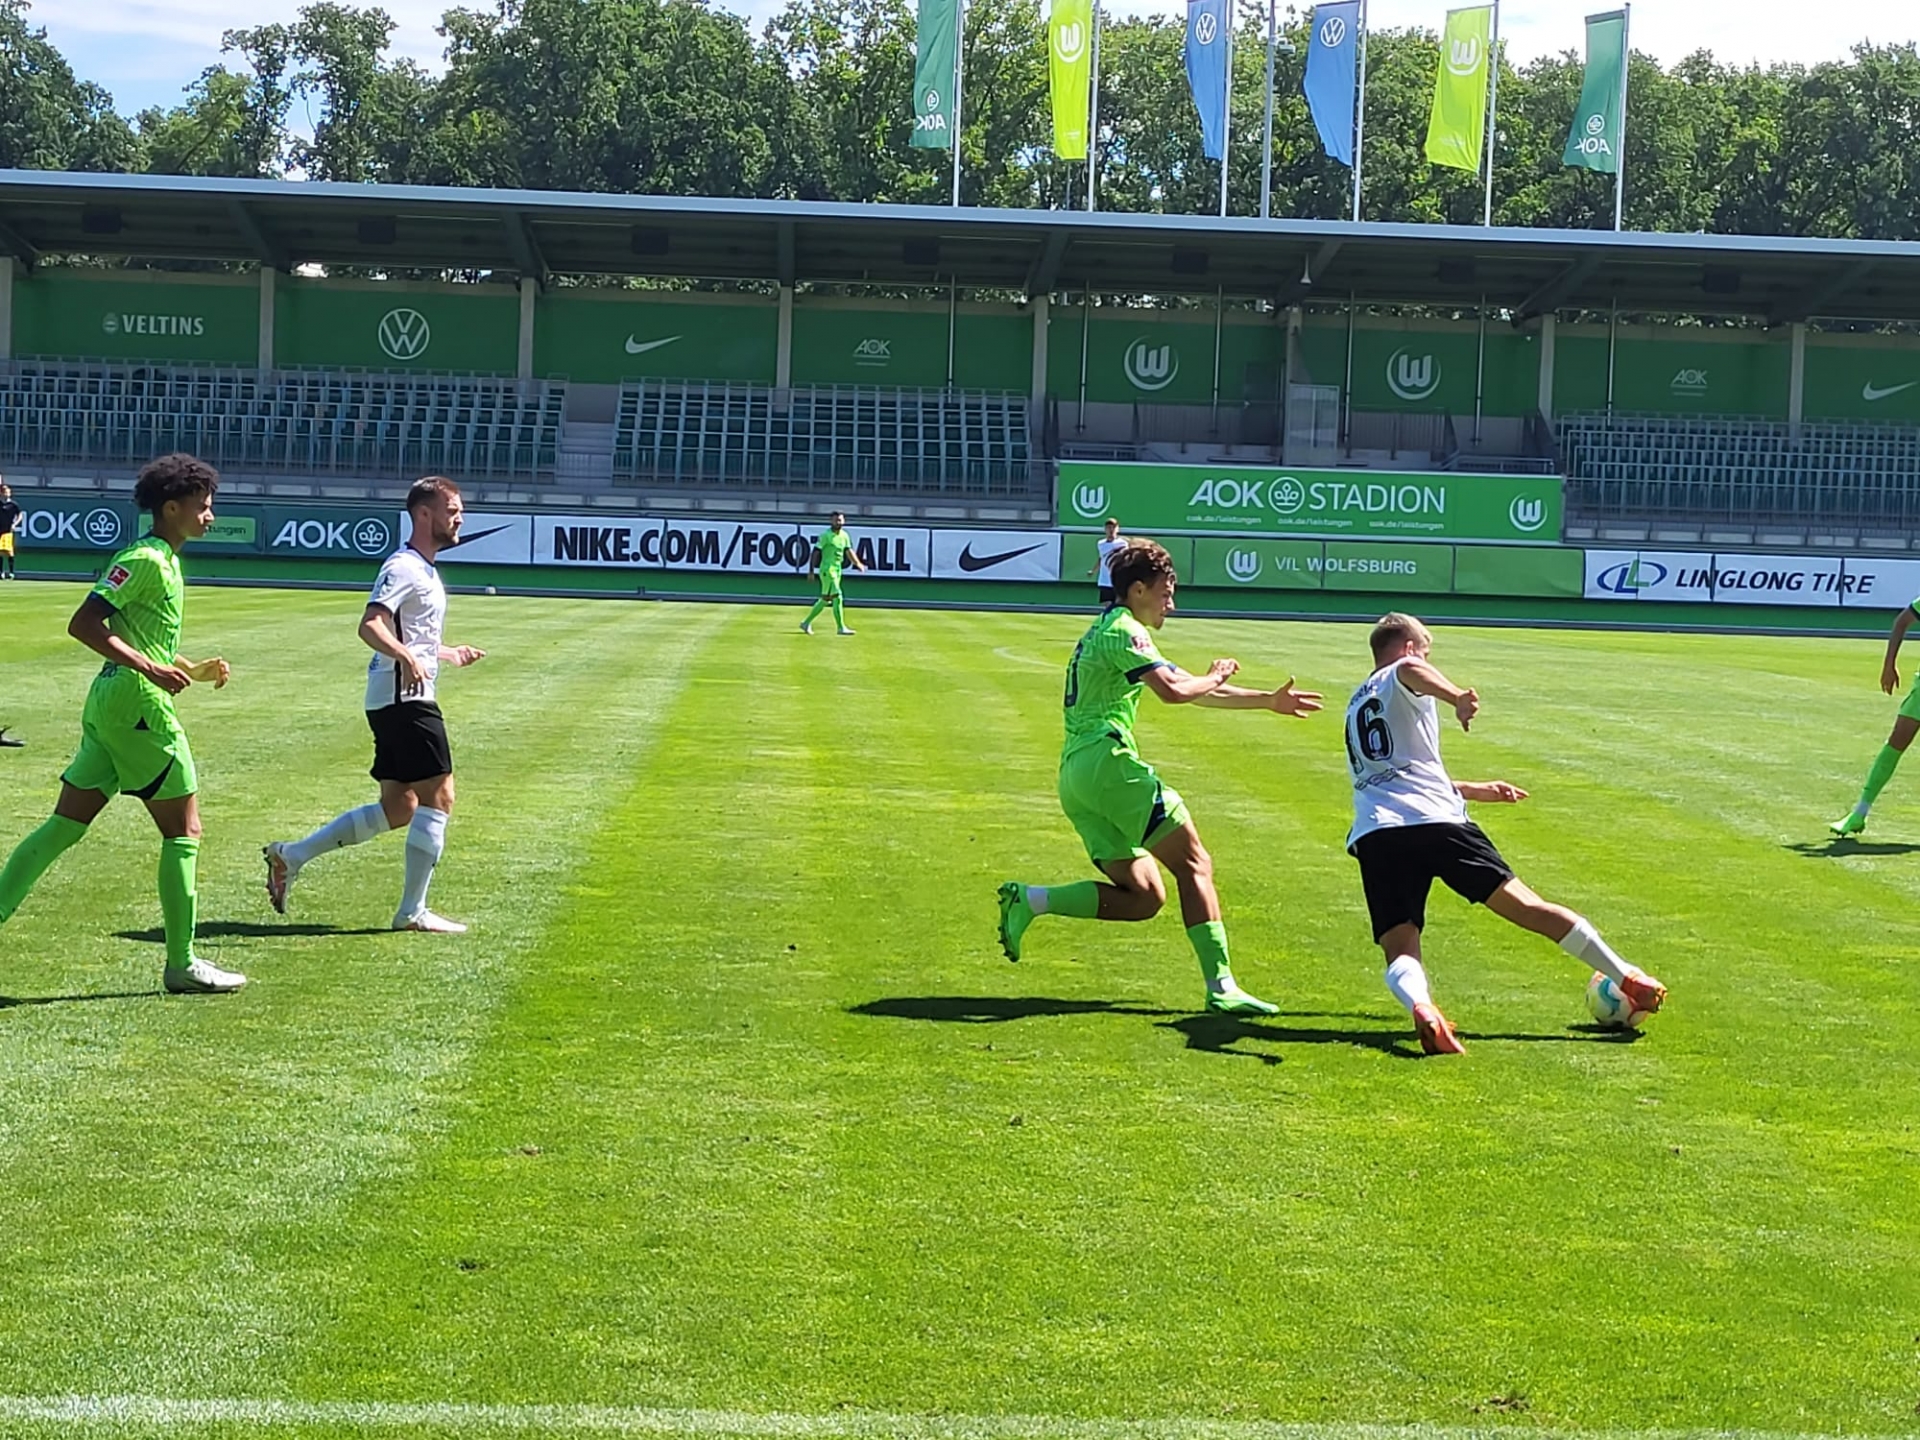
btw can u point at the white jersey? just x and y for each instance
(409, 589)
(1108, 549)
(1393, 749)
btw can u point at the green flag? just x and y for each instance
(934, 74)
(1458, 128)
(1070, 68)
(1599, 125)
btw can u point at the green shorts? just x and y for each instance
(1910, 707)
(829, 584)
(1116, 802)
(147, 757)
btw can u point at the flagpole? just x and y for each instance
(1360, 115)
(959, 72)
(1620, 160)
(1493, 111)
(1266, 154)
(1093, 110)
(1226, 108)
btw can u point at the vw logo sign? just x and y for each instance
(1206, 27)
(405, 334)
(1527, 515)
(103, 528)
(1333, 33)
(1289, 495)
(1089, 501)
(371, 537)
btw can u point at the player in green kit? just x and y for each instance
(835, 548)
(1125, 815)
(130, 738)
(1905, 726)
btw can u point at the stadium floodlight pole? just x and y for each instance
(1093, 114)
(1620, 160)
(1493, 107)
(959, 74)
(1360, 116)
(1266, 150)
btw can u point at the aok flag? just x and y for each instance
(1207, 71)
(1070, 69)
(1457, 131)
(1599, 125)
(934, 73)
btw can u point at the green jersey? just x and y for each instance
(143, 585)
(834, 545)
(1104, 679)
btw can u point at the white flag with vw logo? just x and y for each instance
(1070, 69)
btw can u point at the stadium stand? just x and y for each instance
(839, 438)
(315, 423)
(1738, 469)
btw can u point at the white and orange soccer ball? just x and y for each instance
(1609, 1005)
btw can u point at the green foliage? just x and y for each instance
(50, 120)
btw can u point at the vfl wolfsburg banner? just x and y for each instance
(1459, 123)
(1599, 124)
(1328, 504)
(1070, 70)
(934, 74)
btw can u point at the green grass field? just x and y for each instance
(728, 1117)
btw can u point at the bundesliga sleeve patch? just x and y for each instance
(118, 576)
(1143, 643)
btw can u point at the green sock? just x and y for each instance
(179, 864)
(1209, 941)
(812, 614)
(1078, 901)
(1883, 767)
(31, 858)
(839, 613)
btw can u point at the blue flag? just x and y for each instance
(1207, 70)
(1330, 75)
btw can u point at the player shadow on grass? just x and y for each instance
(1831, 849)
(992, 1009)
(15, 1002)
(248, 930)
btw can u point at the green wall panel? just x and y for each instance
(1867, 377)
(1517, 570)
(869, 345)
(183, 320)
(397, 327)
(604, 337)
(1680, 373)
(1155, 358)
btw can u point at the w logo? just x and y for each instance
(1412, 379)
(1206, 27)
(1151, 368)
(1333, 34)
(1243, 565)
(1463, 57)
(405, 334)
(1069, 42)
(1527, 515)
(1089, 501)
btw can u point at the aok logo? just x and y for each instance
(1333, 34)
(1069, 42)
(1206, 27)
(1288, 495)
(100, 527)
(873, 352)
(103, 528)
(1089, 501)
(1689, 382)
(1632, 577)
(1150, 366)
(371, 537)
(404, 334)
(1243, 566)
(1527, 515)
(931, 117)
(1233, 495)
(1413, 379)
(1594, 142)
(1463, 57)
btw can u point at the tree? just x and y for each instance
(49, 120)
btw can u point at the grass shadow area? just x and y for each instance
(15, 1002)
(249, 930)
(1840, 848)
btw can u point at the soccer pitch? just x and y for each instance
(728, 1117)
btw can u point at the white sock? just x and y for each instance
(426, 838)
(1408, 982)
(356, 827)
(1037, 899)
(1583, 942)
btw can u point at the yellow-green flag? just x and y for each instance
(1459, 124)
(1070, 45)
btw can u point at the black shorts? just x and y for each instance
(1399, 865)
(1108, 595)
(409, 742)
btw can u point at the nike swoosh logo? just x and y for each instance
(640, 347)
(477, 535)
(1870, 392)
(970, 561)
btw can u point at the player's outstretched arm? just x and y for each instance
(1284, 701)
(1497, 792)
(89, 627)
(1890, 669)
(1419, 676)
(1176, 687)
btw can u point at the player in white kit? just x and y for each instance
(1410, 828)
(1109, 545)
(405, 617)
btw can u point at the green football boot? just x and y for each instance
(1851, 823)
(1015, 916)
(1235, 1001)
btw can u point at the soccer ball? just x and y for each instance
(1610, 1006)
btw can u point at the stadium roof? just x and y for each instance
(286, 223)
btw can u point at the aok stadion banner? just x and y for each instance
(1324, 504)
(1703, 578)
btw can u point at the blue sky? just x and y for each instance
(146, 51)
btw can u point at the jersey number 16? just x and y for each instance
(1368, 735)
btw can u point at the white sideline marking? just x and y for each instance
(159, 1412)
(1006, 652)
